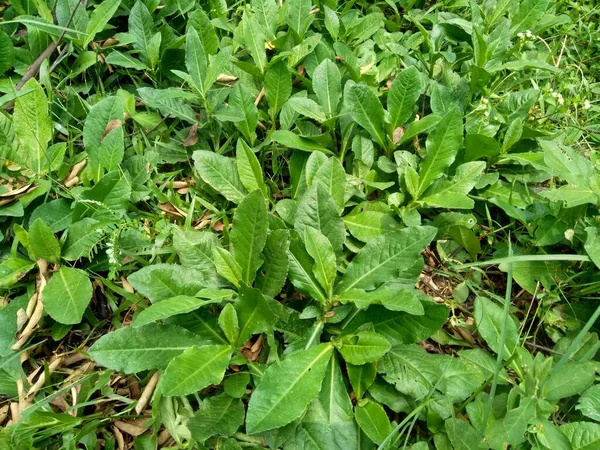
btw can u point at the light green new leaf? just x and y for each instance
(327, 84)
(206, 31)
(180, 304)
(301, 272)
(253, 312)
(249, 234)
(510, 430)
(453, 193)
(195, 369)
(228, 322)
(273, 273)
(385, 257)
(442, 145)
(249, 169)
(589, 403)
(32, 127)
(287, 387)
(307, 107)
(220, 173)
(392, 298)
(103, 135)
(367, 111)
(317, 210)
(489, 318)
(99, 18)
(42, 242)
(403, 96)
(278, 86)
(373, 420)
(220, 415)
(227, 266)
(152, 346)
(363, 347)
(67, 294)
(163, 281)
(319, 247)
(195, 58)
(582, 435)
(125, 60)
(367, 225)
(82, 236)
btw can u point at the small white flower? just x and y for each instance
(528, 33)
(486, 114)
(554, 94)
(587, 104)
(484, 100)
(521, 35)
(561, 100)
(569, 234)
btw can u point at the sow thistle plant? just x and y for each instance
(230, 205)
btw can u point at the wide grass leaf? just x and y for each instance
(195, 369)
(67, 294)
(383, 258)
(403, 96)
(249, 234)
(152, 346)
(287, 388)
(220, 173)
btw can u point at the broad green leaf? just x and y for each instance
(368, 225)
(298, 15)
(7, 52)
(338, 408)
(152, 346)
(287, 387)
(313, 431)
(249, 168)
(195, 248)
(361, 378)
(403, 96)
(160, 282)
(571, 379)
(8, 324)
(589, 403)
(206, 31)
(373, 420)
(242, 98)
(307, 107)
(462, 434)
(385, 257)
(367, 111)
(12, 269)
(195, 369)
(332, 22)
(549, 435)
(99, 18)
(319, 247)
(217, 65)
(170, 102)
(107, 200)
(582, 435)
(220, 173)
(227, 266)
(273, 273)
(278, 86)
(528, 15)
(195, 59)
(489, 318)
(363, 347)
(43, 243)
(292, 140)
(125, 60)
(317, 210)
(249, 234)
(103, 135)
(180, 304)
(253, 312)
(453, 193)
(255, 43)
(391, 297)
(235, 384)
(66, 9)
(510, 430)
(33, 128)
(442, 145)
(220, 415)
(301, 271)
(142, 29)
(333, 176)
(266, 12)
(228, 322)
(82, 237)
(327, 84)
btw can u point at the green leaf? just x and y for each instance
(195, 58)
(319, 247)
(253, 312)
(7, 52)
(453, 193)
(206, 31)
(368, 225)
(287, 387)
(249, 234)
(403, 96)
(235, 384)
(292, 140)
(227, 266)
(216, 66)
(301, 271)
(103, 135)
(327, 84)
(108, 199)
(195, 369)
(67, 295)
(385, 257)
(195, 248)
(528, 15)
(510, 430)
(142, 29)
(180, 304)
(367, 111)
(462, 435)
(82, 237)
(361, 377)
(152, 346)
(12, 269)
(278, 86)
(391, 297)
(373, 420)
(8, 324)
(273, 272)
(125, 60)
(307, 107)
(589, 402)
(228, 322)
(242, 98)
(489, 318)
(571, 379)
(170, 102)
(338, 408)
(43, 243)
(582, 435)
(266, 12)
(255, 43)
(33, 128)
(333, 177)
(217, 416)
(220, 173)
(317, 210)
(442, 145)
(99, 18)
(249, 168)
(163, 281)
(363, 347)
(298, 15)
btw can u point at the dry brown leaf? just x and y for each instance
(398, 133)
(192, 136)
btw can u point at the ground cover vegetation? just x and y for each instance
(299, 224)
